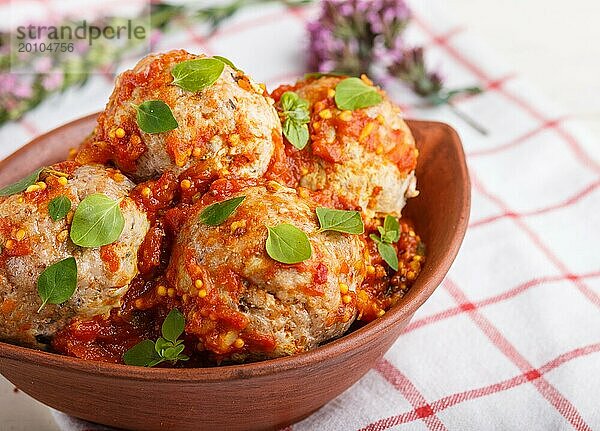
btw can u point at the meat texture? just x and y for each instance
(230, 125)
(242, 304)
(364, 159)
(31, 241)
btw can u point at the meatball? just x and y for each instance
(242, 304)
(363, 159)
(31, 241)
(230, 126)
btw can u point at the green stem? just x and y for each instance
(467, 119)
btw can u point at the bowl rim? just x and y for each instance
(342, 345)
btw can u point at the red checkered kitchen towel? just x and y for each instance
(511, 340)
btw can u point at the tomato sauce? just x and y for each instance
(214, 329)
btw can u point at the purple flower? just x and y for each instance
(350, 34)
(52, 81)
(411, 69)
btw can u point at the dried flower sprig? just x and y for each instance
(412, 70)
(350, 35)
(20, 93)
(354, 36)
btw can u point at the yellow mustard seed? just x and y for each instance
(161, 290)
(198, 283)
(345, 115)
(120, 132)
(202, 293)
(238, 343)
(197, 152)
(32, 188)
(304, 170)
(146, 192)
(380, 313)
(62, 235)
(344, 288)
(303, 193)
(346, 299)
(20, 199)
(273, 186)
(234, 140)
(366, 131)
(20, 235)
(370, 269)
(325, 114)
(331, 92)
(171, 292)
(9, 244)
(380, 119)
(240, 224)
(185, 184)
(42, 185)
(366, 79)
(63, 181)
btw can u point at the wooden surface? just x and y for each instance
(263, 395)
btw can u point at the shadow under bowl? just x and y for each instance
(256, 396)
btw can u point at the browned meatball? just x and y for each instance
(242, 304)
(364, 159)
(31, 241)
(230, 125)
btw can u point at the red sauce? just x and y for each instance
(212, 325)
(110, 257)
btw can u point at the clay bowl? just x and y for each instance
(264, 395)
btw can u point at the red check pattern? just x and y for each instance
(511, 340)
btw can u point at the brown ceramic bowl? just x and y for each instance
(263, 395)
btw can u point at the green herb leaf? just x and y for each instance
(288, 244)
(296, 133)
(97, 221)
(389, 233)
(142, 355)
(294, 107)
(340, 220)
(22, 184)
(57, 283)
(172, 353)
(59, 207)
(155, 116)
(195, 75)
(173, 325)
(227, 61)
(391, 228)
(217, 213)
(296, 115)
(167, 348)
(388, 253)
(353, 93)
